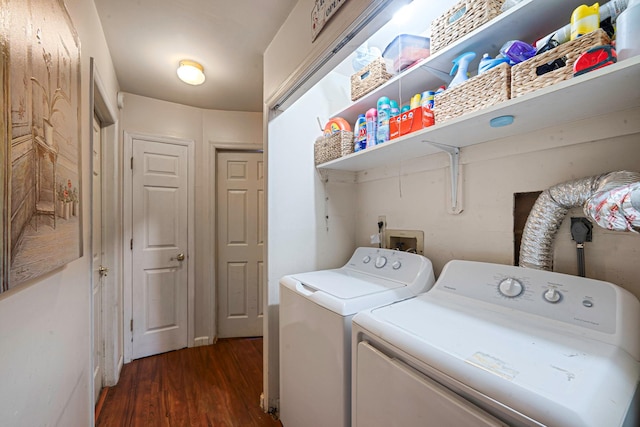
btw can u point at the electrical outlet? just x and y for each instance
(582, 222)
(383, 220)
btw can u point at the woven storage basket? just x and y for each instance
(481, 91)
(524, 77)
(461, 19)
(327, 148)
(370, 77)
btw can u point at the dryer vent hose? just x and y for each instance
(610, 200)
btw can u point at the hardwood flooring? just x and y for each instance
(217, 385)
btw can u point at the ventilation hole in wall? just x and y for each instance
(522, 204)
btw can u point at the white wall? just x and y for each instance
(209, 129)
(45, 325)
(417, 198)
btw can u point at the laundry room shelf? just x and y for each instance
(433, 71)
(607, 90)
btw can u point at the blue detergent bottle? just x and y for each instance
(384, 114)
(360, 132)
(395, 110)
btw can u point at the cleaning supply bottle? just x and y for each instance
(372, 124)
(384, 114)
(584, 20)
(416, 100)
(360, 133)
(395, 110)
(487, 62)
(460, 68)
(628, 31)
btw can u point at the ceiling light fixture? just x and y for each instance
(191, 72)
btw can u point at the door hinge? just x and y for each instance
(131, 163)
(131, 244)
(131, 325)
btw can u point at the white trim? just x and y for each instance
(100, 105)
(128, 235)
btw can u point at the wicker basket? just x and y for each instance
(327, 148)
(370, 77)
(482, 91)
(524, 77)
(464, 17)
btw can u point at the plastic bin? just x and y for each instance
(406, 49)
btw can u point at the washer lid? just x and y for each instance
(346, 291)
(346, 284)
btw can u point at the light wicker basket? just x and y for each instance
(327, 148)
(373, 75)
(524, 77)
(461, 19)
(482, 91)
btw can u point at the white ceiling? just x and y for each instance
(147, 39)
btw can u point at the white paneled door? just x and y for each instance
(240, 236)
(160, 243)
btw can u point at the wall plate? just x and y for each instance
(406, 238)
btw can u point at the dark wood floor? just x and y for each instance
(216, 385)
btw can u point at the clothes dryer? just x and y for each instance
(496, 345)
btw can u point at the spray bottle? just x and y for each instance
(460, 68)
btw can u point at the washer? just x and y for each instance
(316, 309)
(495, 345)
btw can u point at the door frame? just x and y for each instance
(129, 137)
(215, 148)
(103, 108)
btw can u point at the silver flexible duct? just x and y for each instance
(547, 214)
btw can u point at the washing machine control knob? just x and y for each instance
(552, 295)
(396, 265)
(381, 261)
(510, 287)
(366, 259)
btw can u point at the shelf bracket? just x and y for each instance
(454, 160)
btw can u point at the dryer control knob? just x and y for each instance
(510, 287)
(366, 259)
(552, 295)
(396, 265)
(381, 262)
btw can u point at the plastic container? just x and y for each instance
(406, 49)
(360, 133)
(584, 20)
(628, 31)
(384, 114)
(371, 124)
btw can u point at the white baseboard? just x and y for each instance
(200, 341)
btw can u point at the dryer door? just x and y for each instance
(388, 393)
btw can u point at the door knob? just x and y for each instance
(103, 271)
(179, 257)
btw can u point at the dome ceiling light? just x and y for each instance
(191, 72)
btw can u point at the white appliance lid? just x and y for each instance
(346, 284)
(560, 379)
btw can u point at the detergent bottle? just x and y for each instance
(372, 124)
(628, 31)
(360, 133)
(461, 68)
(384, 114)
(584, 20)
